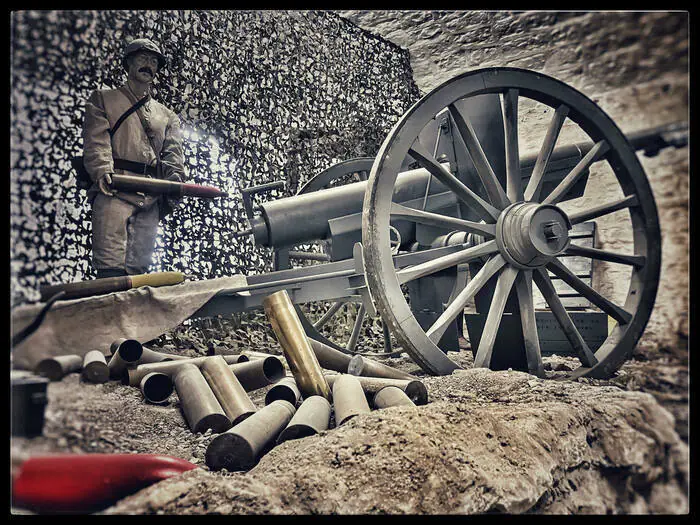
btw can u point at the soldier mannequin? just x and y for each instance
(148, 143)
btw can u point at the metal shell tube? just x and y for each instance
(312, 417)
(286, 389)
(125, 352)
(240, 447)
(348, 398)
(252, 354)
(95, 369)
(199, 404)
(415, 389)
(133, 376)
(152, 356)
(259, 373)
(242, 358)
(58, 366)
(228, 390)
(297, 350)
(391, 396)
(361, 366)
(156, 387)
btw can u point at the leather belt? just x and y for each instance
(135, 167)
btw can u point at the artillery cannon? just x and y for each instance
(451, 213)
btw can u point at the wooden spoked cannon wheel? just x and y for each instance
(523, 231)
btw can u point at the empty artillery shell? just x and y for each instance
(333, 359)
(151, 356)
(228, 390)
(240, 447)
(125, 352)
(95, 369)
(242, 358)
(313, 417)
(199, 404)
(295, 345)
(348, 398)
(156, 387)
(58, 366)
(259, 373)
(415, 389)
(285, 389)
(391, 396)
(251, 354)
(132, 377)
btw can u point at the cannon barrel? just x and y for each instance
(305, 218)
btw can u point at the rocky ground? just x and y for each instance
(486, 442)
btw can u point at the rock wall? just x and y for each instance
(634, 65)
(262, 96)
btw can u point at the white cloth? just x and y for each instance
(92, 323)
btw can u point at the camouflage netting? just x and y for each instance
(262, 96)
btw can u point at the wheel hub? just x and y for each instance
(528, 234)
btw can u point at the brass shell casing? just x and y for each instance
(297, 350)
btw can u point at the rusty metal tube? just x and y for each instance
(152, 356)
(95, 369)
(133, 376)
(228, 390)
(198, 402)
(58, 366)
(297, 350)
(240, 447)
(348, 398)
(415, 389)
(259, 373)
(227, 351)
(312, 417)
(391, 396)
(332, 359)
(252, 354)
(125, 352)
(286, 389)
(156, 387)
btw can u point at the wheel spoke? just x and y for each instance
(619, 314)
(483, 168)
(446, 261)
(437, 170)
(352, 343)
(399, 211)
(523, 288)
(594, 155)
(532, 191)
(327, 316)
(544, 283)
(602, 255)
(509, 107)
(586, 215)
(457, 306)
(493, 319)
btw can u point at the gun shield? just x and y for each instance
(125, 352)
(285, 389)
(199, 404)
(95, 369)
(227, 389)
(295, 345)
(240, 447)
(415, 389)
(258, 373)
(391, 396)
(156, 387)
(58, 366)
(348, 398)
(313, 417)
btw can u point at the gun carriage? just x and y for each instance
(449, 213)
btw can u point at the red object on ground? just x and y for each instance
(81, 483)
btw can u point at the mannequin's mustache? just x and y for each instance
(146, 70)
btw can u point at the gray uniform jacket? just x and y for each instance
(130, 142)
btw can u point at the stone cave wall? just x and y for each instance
(261, 95)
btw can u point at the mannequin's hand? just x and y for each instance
(104, 184)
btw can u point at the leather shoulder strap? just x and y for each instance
(128, 112)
